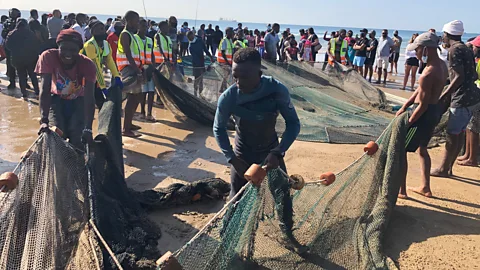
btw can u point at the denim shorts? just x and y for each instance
(458, 120)
(359, 61)
(148, 87)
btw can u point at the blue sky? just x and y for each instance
(404, 14)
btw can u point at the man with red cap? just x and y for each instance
(473, 128)
(67, 93)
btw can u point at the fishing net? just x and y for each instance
(69, 213)
(329, 107)
(340, 226)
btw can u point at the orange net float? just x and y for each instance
(297, 182)
(255, 174)
(327, 178)
(57, 130)
(8, 181)
(196, 197)
(370, 148)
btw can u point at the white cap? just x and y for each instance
(454, 28)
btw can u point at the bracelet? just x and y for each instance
(88, 130)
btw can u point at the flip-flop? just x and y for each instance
(435, 173)
(403, 197)
(131, 135)
(150, 119)
(424, 194)
(135, 127)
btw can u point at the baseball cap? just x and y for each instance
(426, 39)
(476, 42)
(454, 28)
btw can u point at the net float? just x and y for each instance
(370, 148)
(168, 262)
(255, 174)
(196, 197)
(57, 130)
(327, 178)
(297, 182)
(8, 181)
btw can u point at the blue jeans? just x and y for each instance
(458, 120)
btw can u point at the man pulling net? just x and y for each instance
(255, 102)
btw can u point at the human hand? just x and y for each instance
(87, 136)
(240, 165)
(272, 162)
(118, 82)
(44, 128)
(399, 112)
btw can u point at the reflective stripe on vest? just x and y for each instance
(166, 46)
(146, 49)
(240, 44)
(100, 58)
(228, 52)
(122, 60)
(343, 51)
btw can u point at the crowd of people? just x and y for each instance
(72, 53)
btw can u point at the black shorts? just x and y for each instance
(420, 132)
(412, 61)
(184, 45)
(370, 61)
(394, 57)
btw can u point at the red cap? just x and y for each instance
(476, 42)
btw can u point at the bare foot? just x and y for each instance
(468, 163)
(462, 158)
(421, 191)
(403, 196)
(439, 173)
(130, 134)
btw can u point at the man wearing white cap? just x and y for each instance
(426, 110)
(462, 94)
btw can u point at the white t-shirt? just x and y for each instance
(111, 29)
(410, 54)
(80, 30)
(443, 54)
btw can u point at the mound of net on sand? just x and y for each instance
(64, 214)
(341, 226)
(338, 108)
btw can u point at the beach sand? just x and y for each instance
(437, 233)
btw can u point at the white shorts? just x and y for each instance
(148, 87)
(382, 61)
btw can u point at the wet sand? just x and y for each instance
(437, 233)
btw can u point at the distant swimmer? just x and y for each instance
(67, 93)
(426, 109)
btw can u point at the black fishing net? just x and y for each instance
(64, 197)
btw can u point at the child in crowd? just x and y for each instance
(307, 51)
(292, 51)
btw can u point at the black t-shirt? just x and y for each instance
(209, 35)
(312, 39)
(217, 37)
(372, 43)
(467, 94)
(360, 42)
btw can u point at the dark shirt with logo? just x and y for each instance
(372, 43)
(467, 94)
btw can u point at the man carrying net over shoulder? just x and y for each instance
(255, 102)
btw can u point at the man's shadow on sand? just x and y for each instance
(410, 225)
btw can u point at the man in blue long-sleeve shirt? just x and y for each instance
(197, 49)
(255, 102)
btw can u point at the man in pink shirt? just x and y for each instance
(67, 93)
